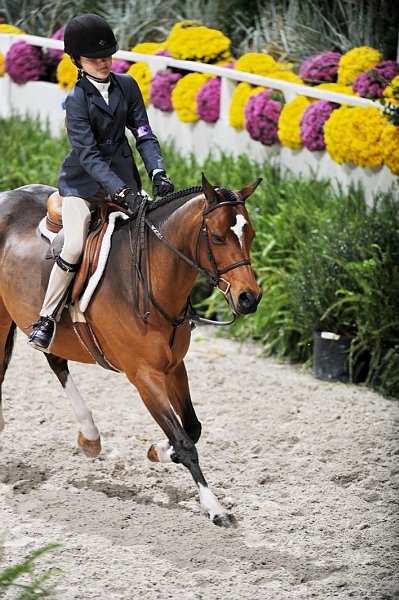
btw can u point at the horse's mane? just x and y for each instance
(188, 193)
(174, 196)
(185, 194)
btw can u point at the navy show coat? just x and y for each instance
(100, 156)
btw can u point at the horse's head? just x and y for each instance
(228, 234)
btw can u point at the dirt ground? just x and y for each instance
(310, 469)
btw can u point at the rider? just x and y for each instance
(100, 164)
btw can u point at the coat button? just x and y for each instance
(108, 142)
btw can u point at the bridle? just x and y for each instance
(139, 265)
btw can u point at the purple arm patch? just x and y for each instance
(140, 131)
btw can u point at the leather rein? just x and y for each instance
(139, 265)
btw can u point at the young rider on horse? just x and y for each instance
(100, 164)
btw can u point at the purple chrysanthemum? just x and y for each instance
(163, 53)
(208, 101)
(52, 52)
(312, 124)
(24, 62)
(320, 68)
(372, 83)
(161, 89)
(120, 66)
(262, 112)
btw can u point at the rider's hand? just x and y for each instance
(127, 198)
(161, 184)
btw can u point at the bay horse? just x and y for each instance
(141, 323)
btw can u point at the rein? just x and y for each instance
(139, 265)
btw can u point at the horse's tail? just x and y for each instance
(9, 344)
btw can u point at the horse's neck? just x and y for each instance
(180, 227)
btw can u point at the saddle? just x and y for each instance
(99, 226)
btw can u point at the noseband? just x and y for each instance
(139, 265)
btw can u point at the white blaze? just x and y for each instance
(238, 227)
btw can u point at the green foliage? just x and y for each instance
(27, 154)
(35, 587)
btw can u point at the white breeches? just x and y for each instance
(76, 219)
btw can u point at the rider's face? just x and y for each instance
(97, 67)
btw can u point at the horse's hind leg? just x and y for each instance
(7, 336)
(89, 437)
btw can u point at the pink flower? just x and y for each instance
(372, 83)
(120, 66)
(208, 101)
(24, 62)
(261, 116)
(312, 124)
(163, 53)
(162, 85)
(320, 68)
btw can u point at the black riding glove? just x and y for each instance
(161, 184)
(127, 198)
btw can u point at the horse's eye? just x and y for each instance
(217, 238)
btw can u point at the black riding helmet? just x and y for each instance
(89, 36)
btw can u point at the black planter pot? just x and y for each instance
(331, 356)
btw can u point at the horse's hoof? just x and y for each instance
(152, 454)
(225, 521)
(90, 448)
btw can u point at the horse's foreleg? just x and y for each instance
(179, 397)
(88, 437)
(179, 448)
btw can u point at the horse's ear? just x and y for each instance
(246, 191)
(209, 191)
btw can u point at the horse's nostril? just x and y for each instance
(246, 299)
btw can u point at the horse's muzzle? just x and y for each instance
(247, 303)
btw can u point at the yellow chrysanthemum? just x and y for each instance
(142, 74)
(335, 87)
(146, 48)
(288, 123)
(190, 41)
(390, 147)
(286, 76)
(4, 28)
(240, 98)
(253, 62)
(391, 92)
(353, 134)
(67, 73)
(355, 62)
(337, 133)
(2, 65)
(184, 96)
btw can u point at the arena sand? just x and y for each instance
(310, 469)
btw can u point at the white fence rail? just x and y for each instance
(200, 138)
